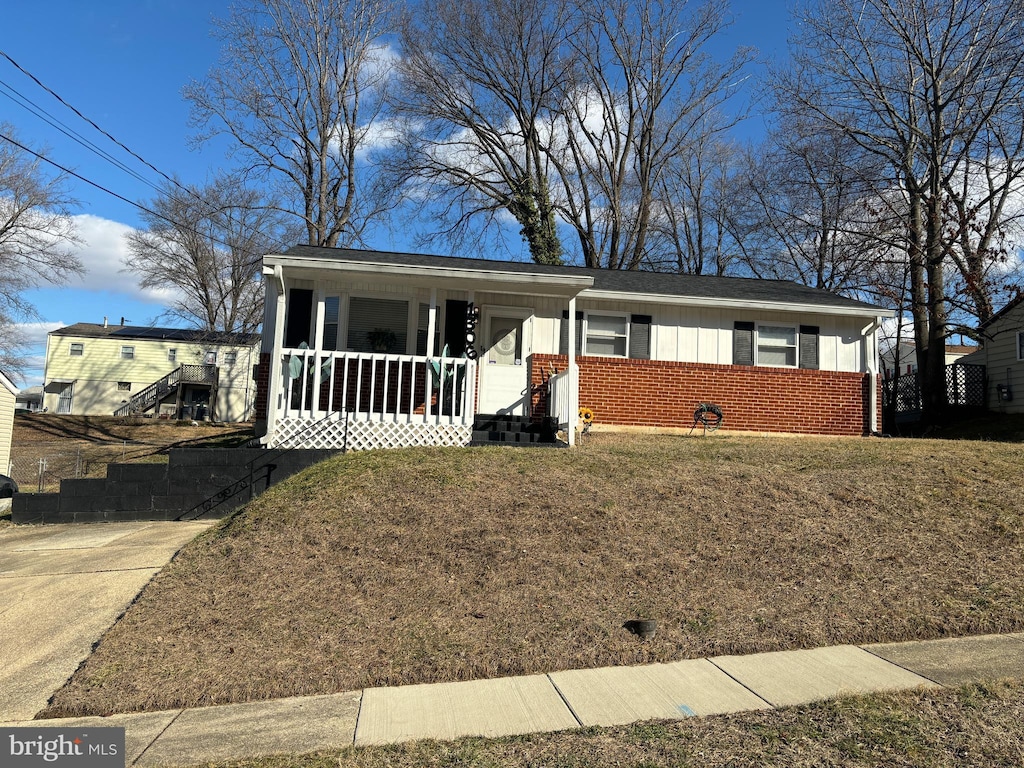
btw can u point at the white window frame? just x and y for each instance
(128, 352)
(604, 334)
(71, 349)
(795, 346)
(172, 355)
(210, 357)
(230, 357)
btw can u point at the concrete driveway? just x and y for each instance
(61, 588)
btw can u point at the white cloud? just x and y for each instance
(103, 253)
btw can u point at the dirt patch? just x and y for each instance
(399, 567)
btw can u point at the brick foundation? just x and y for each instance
(654, 393)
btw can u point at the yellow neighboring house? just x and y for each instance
(8, 393)
(104, 370)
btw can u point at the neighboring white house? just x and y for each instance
(8, 393)
(30, 399)
(1002, 354)
(903, 357)
(95, 370)
(376, 349)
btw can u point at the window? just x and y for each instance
(172, 355)
(1020, 345)
(775, 345)
(230, 358)
(332, 313)
(76, 349)
(210, 358)
(127, 353)
(124, 386)
(606, 335)
(378, 325)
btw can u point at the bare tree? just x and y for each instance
(644, 89)
(36, 235)
(927, 86)
(298, 91)
(203, 246)
(479, 85)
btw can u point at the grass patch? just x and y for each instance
(977, 725)
(428, 565)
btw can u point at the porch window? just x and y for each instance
(776, 345)
(332, 311)
(76, 349)
(606, 335)
(378, 325)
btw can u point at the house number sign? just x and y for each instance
(472, 318)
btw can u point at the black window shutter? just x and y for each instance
(743, 343)
(563, 334)
(809, 346)
(640, 337)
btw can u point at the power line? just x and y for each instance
(103, 154)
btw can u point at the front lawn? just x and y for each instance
(424, 565)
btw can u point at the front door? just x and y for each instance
(503, 383)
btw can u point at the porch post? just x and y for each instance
(431, 322)
(276, 371)
(574, 377)
(318, 348)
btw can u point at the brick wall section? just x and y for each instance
(654, 393)
(262, 385)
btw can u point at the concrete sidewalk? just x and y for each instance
(61, 587)
(556, 701)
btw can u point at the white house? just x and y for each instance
(1002, 354)
(372, 349)
(8, 393)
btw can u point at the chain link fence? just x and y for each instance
(42, 466)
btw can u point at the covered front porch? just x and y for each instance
(375, 355)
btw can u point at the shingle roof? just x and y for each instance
(655, 283)
(97, 331)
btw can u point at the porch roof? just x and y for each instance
(541, 279)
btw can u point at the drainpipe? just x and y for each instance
(870, 334)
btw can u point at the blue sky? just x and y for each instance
(123, 63)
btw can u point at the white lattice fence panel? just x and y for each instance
(367, 435)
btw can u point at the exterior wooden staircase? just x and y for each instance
(158, 391)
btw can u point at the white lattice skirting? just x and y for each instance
(367, 435)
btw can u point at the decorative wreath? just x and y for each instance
(586, 416)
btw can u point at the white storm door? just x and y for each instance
(503, 383)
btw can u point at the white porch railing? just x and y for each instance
(369, 387)
(559, 404)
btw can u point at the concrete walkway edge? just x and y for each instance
(555, 701)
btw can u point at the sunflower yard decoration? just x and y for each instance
(587, 417)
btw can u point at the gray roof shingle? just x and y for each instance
(135, 332)
(654, 283)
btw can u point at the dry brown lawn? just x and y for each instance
(82, 446)
(412, 566)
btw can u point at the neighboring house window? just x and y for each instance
(76, 349)
(606, 335)
(124, 386)
(378, 325)
(210, 358)
(172, 355)
(1020, 345)
(230, 358)
(127, 353)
